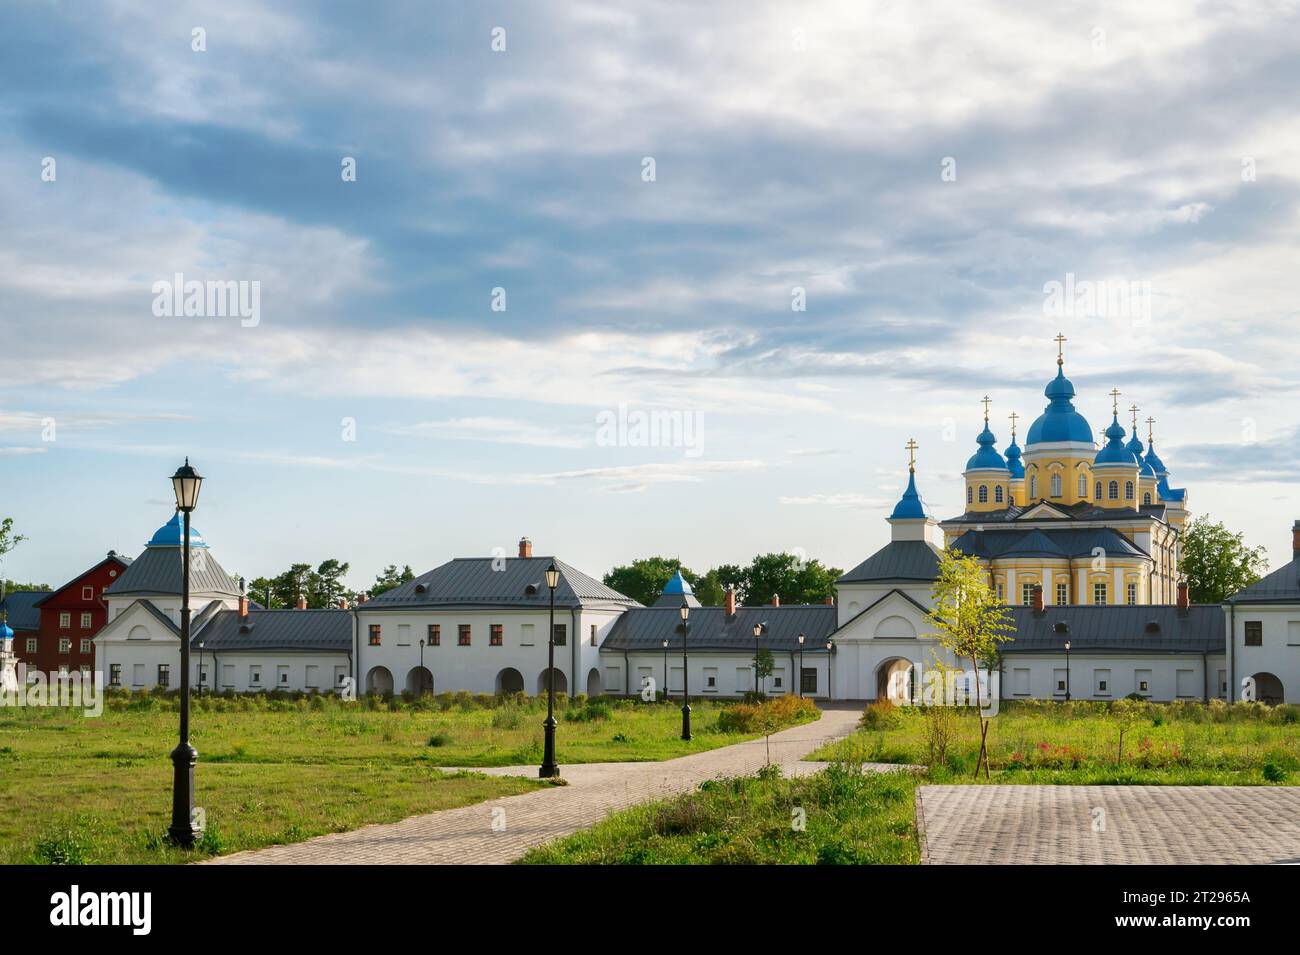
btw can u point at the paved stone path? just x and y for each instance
(466, 835)
(1144, 825)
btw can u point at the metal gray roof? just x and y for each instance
(520, 582)
(301, 630)
(22, 609)
(897, 561)
(1281, 586)
(157, 572)
(645, 628)
(1120, 628)
(1046, 542)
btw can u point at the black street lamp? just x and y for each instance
(1067, 671)
(830, 656)
(420, 690)
(801, 638)
(758, 635)
(186, 482)
(665, 668)
(686, 676)
(202, 675)
(549, 767)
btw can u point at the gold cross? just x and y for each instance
(986, 399)
(1014, 418)
(1114, 401)
(1134, 408)
(1150, 422)
(1060, 348)
(911, 453)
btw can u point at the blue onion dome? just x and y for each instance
(1114, 452)
(1152, 460)
(678, 586)
(5, 632)
(1014, 464)
(1059, 421)
(987, 456)
(169, 535)
(909, 505)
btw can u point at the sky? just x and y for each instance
(794, 235)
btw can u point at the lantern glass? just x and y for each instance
(186, 482)
(685, 611)
(552, 576)
(801, 639)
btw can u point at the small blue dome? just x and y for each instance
(909, 505)
(1153, 460)
(987, 456)
(678, 585)
(1014, 464)
(1059, 421)
(1114, 452)
(5, 632)
(169, 535)
(1134, 447)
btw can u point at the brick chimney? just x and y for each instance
(243, 600)
(1295, 540)
(525, 547)
(730, 602)
(1038, 598)
(343, 603)
(830, 600)
(302, 602)
(776, 600)
(1183, 601)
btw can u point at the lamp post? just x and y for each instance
(801, 638)
(202, 676)
(186, 482)
(549, 766)
(1067, 671)
(830, 655)
(420, 691)
(758, 634)
(686, 676)
(665, 668)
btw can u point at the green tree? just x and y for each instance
(390, 577)
(327, 584)
(8, 539)
(764, 664)
(1217, 563)
(711, 590)
(1126, 713)
(788, 576)
(13, 585)
(971, 622)
(262, 590)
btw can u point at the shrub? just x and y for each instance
(508, 717)
(766, 717)
(69, 843)
(439, 739)
(592, 711)
(880, 715)
(1274, 773)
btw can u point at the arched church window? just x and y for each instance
(1033, 486)
(1098, 494)
(1056, 485)
(997, 494)
(1114, 490)
(984, 493)
(1128, 490)
(970, 494)
(1083, 485)
(1146, 498)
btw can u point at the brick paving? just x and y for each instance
(466, 834)
(1144, 825)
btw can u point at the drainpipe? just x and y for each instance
(626, 677)
(354, 658)
(798, 676)
(1205, 672)
(1232, 651)
(573, 652)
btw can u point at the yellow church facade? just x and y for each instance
(1088, 522)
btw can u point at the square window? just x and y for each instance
(85, 621)
(164, 674)
(561, 634)
(808, 680)
(593, 635)
(463, 635)
(1099, 594)
(87, 593)
(374, 635)
(435, 635)
(1062, 594)
(65, 620)
(1254, 633)
(85, 646)
(65, 645)
(31, 644)
(1132, 594)
(115, 674)
(495, 634)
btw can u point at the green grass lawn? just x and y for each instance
(1187, 744)
(99, 789)
(847, 818)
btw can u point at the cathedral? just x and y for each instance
(1086, 524)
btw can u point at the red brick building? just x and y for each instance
(70, 616)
